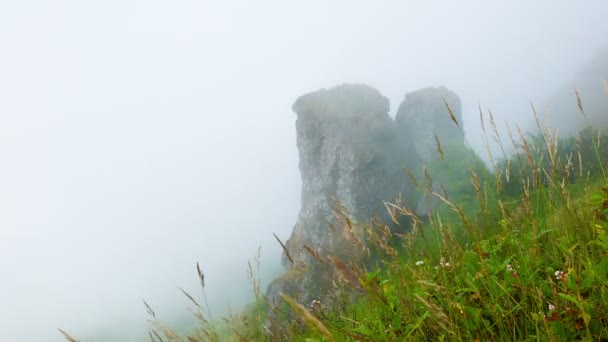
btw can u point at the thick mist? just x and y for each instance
(139, 137)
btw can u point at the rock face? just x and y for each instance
(423, 114)
(351, 151)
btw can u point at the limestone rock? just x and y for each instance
(423, 114)
(350, 152)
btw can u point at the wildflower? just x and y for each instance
(551, 306)
(560, 275)
(315, 305)
(442, 263)
(419, 262)
(511, 269)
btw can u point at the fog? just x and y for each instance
(140, 137)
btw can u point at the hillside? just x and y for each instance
(520, 253)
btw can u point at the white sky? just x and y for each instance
(139, 137)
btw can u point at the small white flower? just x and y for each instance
(560, 275)
(315, 304)
(510, 268)
(419, 262)
(551, 307)
(443, 263)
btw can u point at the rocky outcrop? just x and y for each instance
(423, 117)
(352, 153)
(349, 152)
(423, 114)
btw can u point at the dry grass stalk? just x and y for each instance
(536, 117)
(413, 178)
(497, 179)
(343, 218)
(552, 142)
(456, 208)
(579, 102)
(392, 211)
(569, 165)
(428, 181)
(450, 112)
(307, 317)
(240, 336)
(157, 335)
(496, 136)
(200, 317)
(171, 335)
(284, 249)
(515, 146)
(580, 164)
(347, 273)
(528, 154)
(252, 275)
(439, 149)
(149, 309)
(380, 241)
(396, 209)
(545, 135)
(314, 253)
(579, 147)
(484, 138)
(549, 178)
(503, 211)
(67, 336)
(190, 297)
(477, 186)
(201, 275)
(434, 309)
(482, 120)
(212, 334)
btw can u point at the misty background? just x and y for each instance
(139, 137)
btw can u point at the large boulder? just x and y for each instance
(424, 114)
(351, 156)
(349, 153)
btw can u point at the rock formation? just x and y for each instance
(423, 118)
(423, 114)
(352, 153)
(349, 152)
